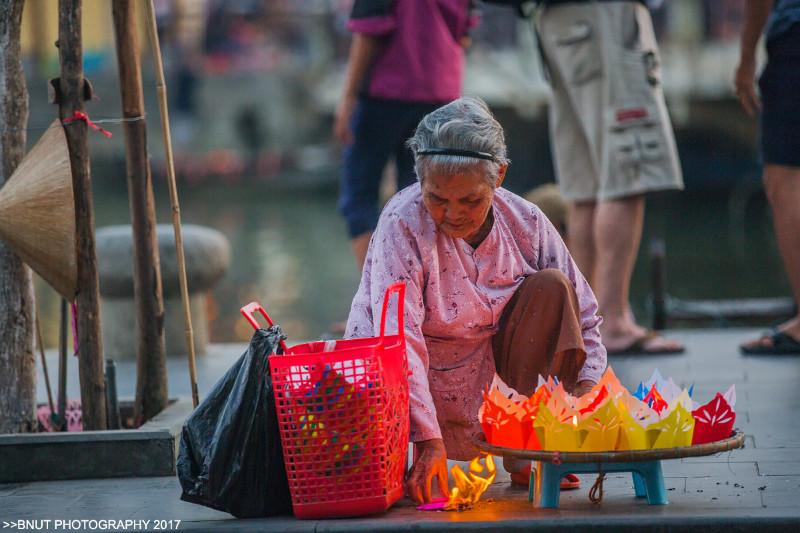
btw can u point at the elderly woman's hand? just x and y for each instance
(582, 388)
(431, 461)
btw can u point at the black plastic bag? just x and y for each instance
(230, 456)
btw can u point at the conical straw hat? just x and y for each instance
(37, 212)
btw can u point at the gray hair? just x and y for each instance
(463, 124)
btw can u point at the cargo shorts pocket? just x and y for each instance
(578, 51)
(636, 138)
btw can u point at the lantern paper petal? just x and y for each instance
(600, 430)
(540, 382)
(676, 429)
(656, 380)
(655, 400)
(683, 399)
(641, 391)
(730, 396)
(552, 434)
(669, 391)
(612, 383)
(632, 435)
(505, 390)
(593, 401)
(639, 410)
(713, 421)
(559, 405)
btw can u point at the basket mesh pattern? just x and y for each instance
(343, 420)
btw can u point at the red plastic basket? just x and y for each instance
(343, 416)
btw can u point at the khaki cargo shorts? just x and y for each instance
(609, 126)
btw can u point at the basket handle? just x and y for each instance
(400, 289)
(248, 311)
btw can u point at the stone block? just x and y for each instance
(207, 258)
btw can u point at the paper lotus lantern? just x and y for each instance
(639, 410)
(683, 399)
(632, 435)
(673, 430)
(599, 432)
(540, 395)
(610, 381)
(641, 391)
(553, 434)
(713, 421)
(595, 402)
(560, 404)
(730, 396)
(655, 400)
(504, 421)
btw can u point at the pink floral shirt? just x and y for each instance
(454, 298)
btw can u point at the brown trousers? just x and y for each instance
(540, 333)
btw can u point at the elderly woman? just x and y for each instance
(490, 287)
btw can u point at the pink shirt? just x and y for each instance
(421, 59)
(455, 296)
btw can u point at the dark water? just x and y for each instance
(290, 252)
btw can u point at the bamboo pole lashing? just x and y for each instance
(161, 90)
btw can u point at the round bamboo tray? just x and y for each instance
(736, 440)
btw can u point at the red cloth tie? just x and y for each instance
(80, 115)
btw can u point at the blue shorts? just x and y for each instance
(381, 129)
(780, 100)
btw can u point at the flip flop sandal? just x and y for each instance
(639, 347)
(522, 478)
(782, 344)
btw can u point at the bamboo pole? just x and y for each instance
(90, 362)
(151, 367)
(63, 324)
(40, 342)
(161, 87)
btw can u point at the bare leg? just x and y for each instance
(580, 237)
(782, 185)
(360, 244)
(617, 233)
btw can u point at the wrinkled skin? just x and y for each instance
(431, 462)
(459, 204)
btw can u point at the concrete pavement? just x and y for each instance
(757, 488)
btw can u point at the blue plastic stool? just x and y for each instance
(544, 487)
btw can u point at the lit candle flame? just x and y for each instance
(575, 420)
(470, 486)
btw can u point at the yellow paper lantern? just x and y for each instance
(599, 431)
(554, 435)
(632, 435)
(675, 429)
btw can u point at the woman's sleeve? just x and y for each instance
(393, 256)
(372, 17)
(553, 253)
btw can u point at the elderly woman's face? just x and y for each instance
(458, 203)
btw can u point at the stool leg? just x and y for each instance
(638, 485)
(532, 480)
(654, 482)
(546, 485)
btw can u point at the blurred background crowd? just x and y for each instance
(253, 85)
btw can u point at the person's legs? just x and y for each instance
(617, 234)
(539, 333)
(364, 161)
(782, 185)
(783, 190)
(580, 237)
